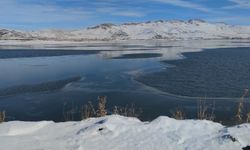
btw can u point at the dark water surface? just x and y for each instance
(223, 72)
(40, 85)
(20, 53)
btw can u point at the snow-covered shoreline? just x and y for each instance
(123, 133)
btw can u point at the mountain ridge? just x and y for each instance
(159, 29)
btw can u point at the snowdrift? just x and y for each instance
(123, 133)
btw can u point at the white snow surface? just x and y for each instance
(171, 30)
(123, 133)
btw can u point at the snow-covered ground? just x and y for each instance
(170, 30)
(123, 133)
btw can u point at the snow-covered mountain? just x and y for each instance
(172, 30)
(14, 35)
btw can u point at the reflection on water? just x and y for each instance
(45, 86)
(41, 53)
(39, 85)
(139, 55)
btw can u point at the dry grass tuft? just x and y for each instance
(88, 111)
(240, 114)
(115, 110)
(204, 111)
(178, 114)
(2, 116)
(102, 106)
(248, 117)
(70, 115)
(128, 111)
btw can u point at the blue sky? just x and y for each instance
(69, 14)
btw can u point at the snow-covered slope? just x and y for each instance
(172, 30)
(122, 133)
(14, 35)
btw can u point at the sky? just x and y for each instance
(71, 14)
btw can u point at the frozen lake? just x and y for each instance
(158, 76)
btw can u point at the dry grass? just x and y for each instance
(178, 114)
(89, 109)
(240, 110)
(128, 111)
(115, 110)
(204, 111)
(248, 117)
(70, 114)
(102, 106)
(2, 116)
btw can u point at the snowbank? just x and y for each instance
(123, 133)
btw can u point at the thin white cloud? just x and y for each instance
(129, 14)
(238, 4)
(185, 4)
(116, 11)
(13, 11)
(49, 13)
(242, 20)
